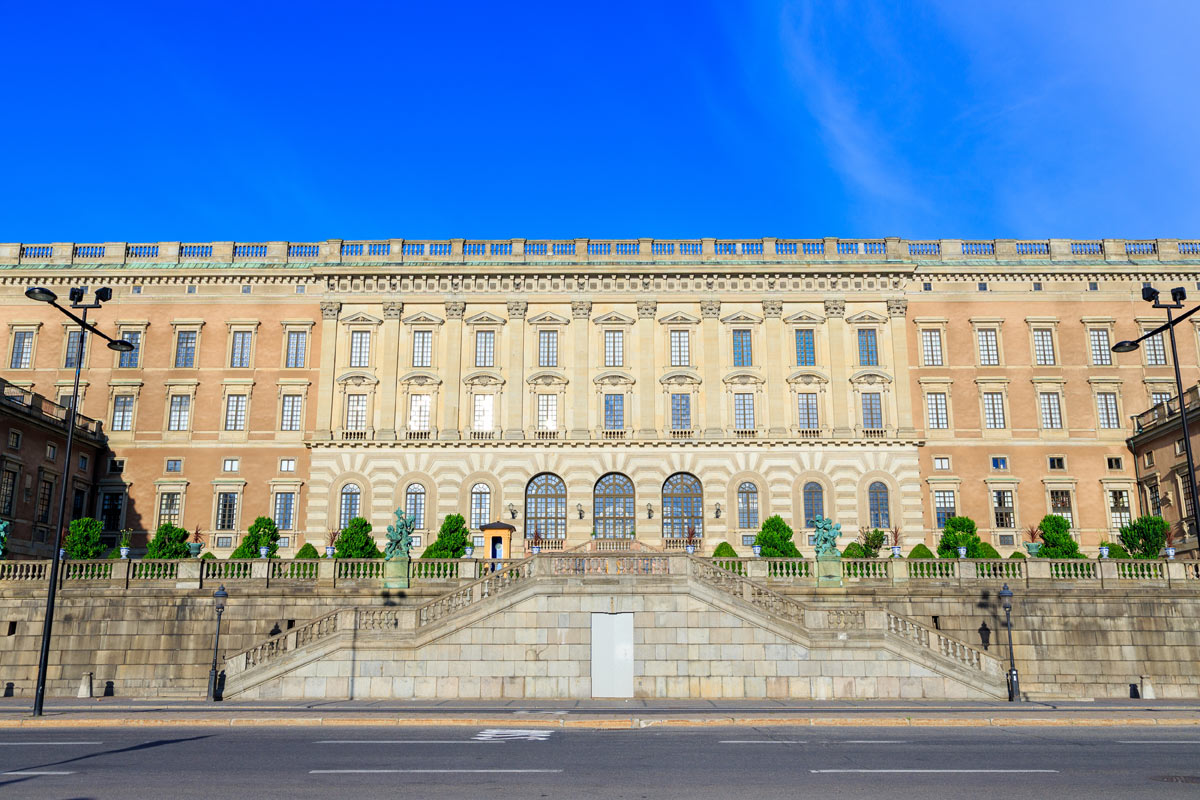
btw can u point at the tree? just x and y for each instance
(262, 533)
(452, 539)
(725, 550)
(1145, 536)
(355, 541)
(871, 541)
(775, 538)
(921, 551)
(83, 539)
(170, 541)
(308, 551)
(959, 532)
(1056, 538)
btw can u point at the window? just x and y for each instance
(174, 465)
(1179, 447)
(231, 464)
(1153, 499)
(614, 412)
(297, 349)
(351, 501)
(45, 492)
(111, 505)
(1043, 346)
(289, 417)
(235, 412)
(130, 358)
(1156, 352)
(285, 508)
(614, 348)
(748, 539)
(116, 466)
(224, 541)
(83, 463)
(1115, 462)
(935, 410)
(356, 412)
(284, 542)
(683, 506)
(1056, 462)
(227, 504)
(179, 412)
(546, 507)
(1106, 410)
(1000, 462)
(989, 349)
(485, 348)
(239, 354)
(1158, 398)
(927, 286)
(981, 287)
(943, 506)
(422, 348)
(1101, 354)
(868, 349)
(122, 419)
(1118, 507)
(484, 417)
(185, 349)
(168, 508)
(22, 350)
(814, 503)
(287, 465)
(8, 491)
(547, 348)
(747, 505)
(931, 347)
(191, 289)
(680, 350)
(877, 503)
(73, 355)
(613, 506)
(481, 505)
(743, 352)
(941, 462)
(51, 452)
(681, 412)
(1048, 402)
(414, 504)
(743, 411)
(872, 410)
(806, 348)
(806, 412)
(419, 406)
(1002, 508)
(993, 410)
(245, 289)
(1093, 286)
(14, 440)
(547, 411)
(360, 348)
(1060, 504)
(135, 289)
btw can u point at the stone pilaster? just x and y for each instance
(839, 370)
(776, 370)
(514, 388)
(578, 390)
(450, 426)
(646, 394)
(710, 352)
(388, 357)
(898, 333)
(330, 309)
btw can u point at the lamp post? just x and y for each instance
(1178, 295)
(219, 598)
(43, 295)
(1014, 686)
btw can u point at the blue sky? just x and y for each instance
(302, 121)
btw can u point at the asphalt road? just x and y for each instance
(694, 763)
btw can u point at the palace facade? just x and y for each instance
(621, 388)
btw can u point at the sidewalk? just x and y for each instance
(597, 714)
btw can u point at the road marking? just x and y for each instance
(867, 741)
(953, 771)
(760, 741)
(411, 741)
(512, 733)
(1159, 741)
(422, 771)
(30, 772)
(43, 744)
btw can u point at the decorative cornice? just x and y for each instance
(330, 309)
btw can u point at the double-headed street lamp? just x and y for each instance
(77, 294)
(1178, 295)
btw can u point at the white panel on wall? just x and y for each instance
(612, 655)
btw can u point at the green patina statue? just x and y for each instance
(3, 535)
(399, 536)
(826, 537)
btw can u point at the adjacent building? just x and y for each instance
(1164, 482)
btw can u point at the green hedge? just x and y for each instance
(308, 551)
(921, 551)
(725, 550)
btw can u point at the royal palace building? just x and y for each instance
(640, 388)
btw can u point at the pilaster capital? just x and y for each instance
(646, 309)
(392, 309)
(581, 309)
(455, 309)
(897, 307)
(330, 309)
(710, 309)
(517, 309)
(835, 308)
(772, 308)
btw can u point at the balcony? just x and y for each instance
(683, 434)
(873, 433)
(482, 436)
(541, 435)
(745, 433)
(611, 435)
(38, 407)
(353, 436)
(418, 436)
(681, 543)
(1165, 411)
(808, 433)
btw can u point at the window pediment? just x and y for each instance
(866, 318)
(805, 318)
(741, 318)
(423, 318)
(613, 318)
(548, 318)
(360, 318)
(870, 377)
(421, 378)
(483, 379)
(808, 377)
(357, 378)
(613, 378)
(679, 318)
(680, 377)
(743, 378)
(547, 378)
(486, 318)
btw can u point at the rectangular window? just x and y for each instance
(872, 410)
(806, 412)
(681, 412)
(1156, 352)
(1101, 354)
(806, 348)
(227, 503)
(941, 462)
(547, 411)
(743, 352)
(73, 355)
(168, 508)
(289, 417)
(231, 464)
(1048, 402)
(297, 349)
(122, 419)
(547, 348)
(422, 348)
(419, 406)
(179, 412)
(931, 347)
(356, 412)
(1043, 347)
(130, 358)
(485, 348)
(45, 493)
(1186, 491)
(993, 410)
(1153, 499)
(743, 411)
(174, 465)
(680, 350)
(8, 491)
(1159, 398)
(484, 412)
(1056, 463)
(868, 348)
(1106, 410)
(14, 440)
(287, 465)
(185, 349)
(285, 507)
(22, 351)
(614, 348)
(614, 412)
(235, 412)
(111, 504)
(1060, 504)
(1118, 507)
(224, 541)
(1115, 462)
(1002, 507)
(943, 504)
(935, 410)
(239, 354)
(360, 348)
(989, 349)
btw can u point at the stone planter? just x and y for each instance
(1170, 553)
(469, 552)
(691, 548)
(757, 550)
(962, 552)
(535, 549)
(329, 551)
(895, 551)
(194, 549)
(1032, 548)
(124, 552)
(262, 551)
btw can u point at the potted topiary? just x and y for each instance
(124, 543)
(894, 541)
(197, 543)
(1033, 545)
(691, 540)
(331, 542)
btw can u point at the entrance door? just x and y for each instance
(497, 547)
(612, 655)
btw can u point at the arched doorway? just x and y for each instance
(613, 507)
(683, 506)
(546, 507)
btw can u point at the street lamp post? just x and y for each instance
(1014, 685)
(219, 598)
(77, 294)
(1178, 295)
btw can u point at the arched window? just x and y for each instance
(814, 502)
(613, 512)
(877, 501)
(481, 505)
(546, 507)
(351, 502)
(414, 504)
(683, 506)
(747, 506)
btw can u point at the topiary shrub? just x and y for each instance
(1145, 537)
(775, 539)
(871, 541)
(209, 556)
(921, 551)
(987, 551)
(114, 553)
(356, 541)
(855, 550)
(308, 551)
(1056, 538)
(959, 532)
(262, 533)
(452, 539)
(1017, 554)
(170, 541)
(83, 539)
(725, 550)
(1115, 550)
